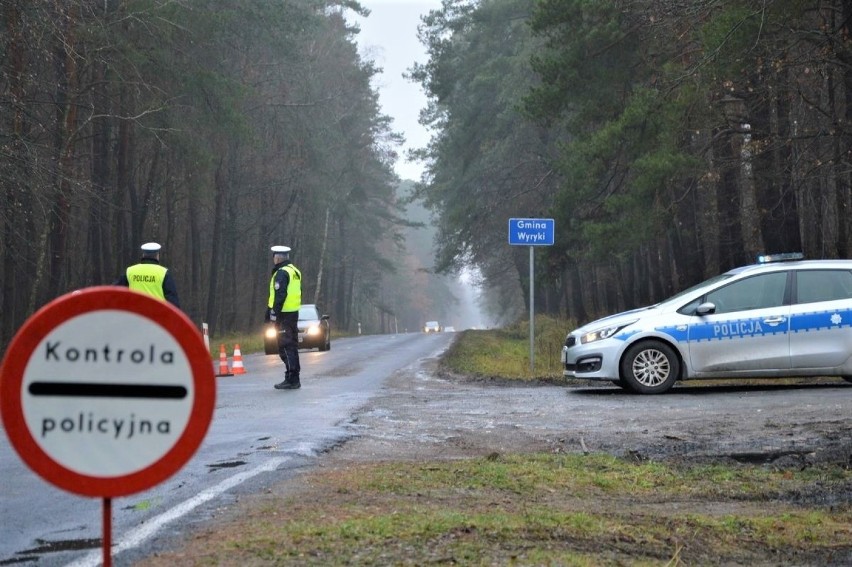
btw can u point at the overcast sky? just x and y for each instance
(389, 37)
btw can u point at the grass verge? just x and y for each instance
(540, 509)
(505, 353)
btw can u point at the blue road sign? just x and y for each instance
(532, 232)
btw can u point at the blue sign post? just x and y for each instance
(532, 232)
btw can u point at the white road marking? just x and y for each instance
(140, 535)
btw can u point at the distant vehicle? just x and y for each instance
(449, 329)
(781, 317)
(432, 327)
(314, 331)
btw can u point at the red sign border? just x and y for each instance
(100, 298)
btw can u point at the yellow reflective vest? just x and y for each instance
(293, 300)
(147, 278)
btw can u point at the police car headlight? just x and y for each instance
(601, 334)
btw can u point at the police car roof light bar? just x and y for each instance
(783, 257)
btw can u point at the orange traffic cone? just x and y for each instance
(223, 363)
(238, 361)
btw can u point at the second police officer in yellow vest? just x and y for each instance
(149, 277)
(285, 299)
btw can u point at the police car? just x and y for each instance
(781, 317)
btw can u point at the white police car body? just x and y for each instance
(783, 318)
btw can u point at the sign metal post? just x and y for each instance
(532, 233)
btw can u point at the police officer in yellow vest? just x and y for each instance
(148, 276)
(285, 298)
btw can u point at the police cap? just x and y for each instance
(280, 249)
(151, 247)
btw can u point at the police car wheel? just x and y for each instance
(650, 367)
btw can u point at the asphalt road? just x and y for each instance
(258, 436)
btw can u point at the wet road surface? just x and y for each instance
(258, 435)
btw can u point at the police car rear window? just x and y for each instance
(823, 285)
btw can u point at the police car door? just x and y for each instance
(749, 329)
(821, 319)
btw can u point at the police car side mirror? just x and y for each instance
(706, 308)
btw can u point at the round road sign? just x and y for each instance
(106, 391)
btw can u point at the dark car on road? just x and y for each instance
(314, 329)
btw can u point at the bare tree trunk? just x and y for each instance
(844, 141)
(125, 242)
(740, 138)
(323, 248)
(706, 205)
(828, 174)
(66, 98)
(343, 294)
(212, 311)
(51, 263)
(727, 203)
(195, 250)
(149, 200)
(100, 244)
(230, 274)
(11, 205)
(577, 306)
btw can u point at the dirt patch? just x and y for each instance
(435, 414)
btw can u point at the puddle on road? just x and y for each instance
(226, 465)
(767, 457)
(45, 546)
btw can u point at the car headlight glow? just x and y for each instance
(271, 332)
(312, 330)
(603, 333)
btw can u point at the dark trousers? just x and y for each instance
(288, 342)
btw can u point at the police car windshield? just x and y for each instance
(705, 283)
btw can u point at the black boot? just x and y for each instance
(289, 383)
(285, 385)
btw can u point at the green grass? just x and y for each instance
(248, 343)
(505, 353)
(541, 509)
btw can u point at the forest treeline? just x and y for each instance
(668, 139)
(217, 128)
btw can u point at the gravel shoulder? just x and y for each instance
(432, 414)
